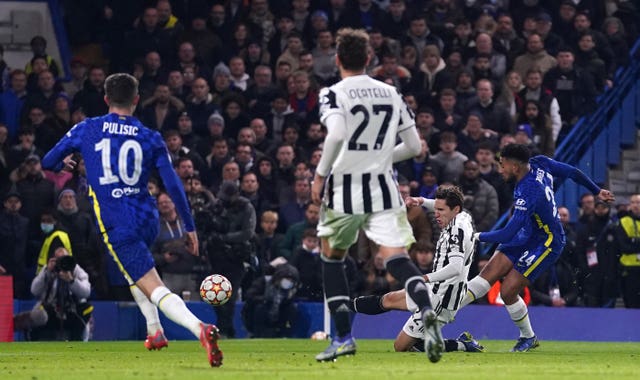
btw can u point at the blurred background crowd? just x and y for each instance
(233, 88)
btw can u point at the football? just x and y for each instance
(319, 335)
(215, 289)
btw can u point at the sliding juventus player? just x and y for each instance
(363, 118)
(448, 281)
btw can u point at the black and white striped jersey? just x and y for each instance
(361, 178)
(456, 239)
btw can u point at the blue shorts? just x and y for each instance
(531, 261)
(129, 249)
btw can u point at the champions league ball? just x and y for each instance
(215, 290)
(319, 335)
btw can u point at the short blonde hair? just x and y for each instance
(269, 216)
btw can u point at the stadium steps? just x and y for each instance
(624, 179)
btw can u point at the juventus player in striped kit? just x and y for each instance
(448, 281)
(363, 118)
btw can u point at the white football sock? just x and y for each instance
(149, 310)
(175, 309)
(520, 316)
(476, 288)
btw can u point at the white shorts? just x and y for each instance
(389, 228)
(414, 327)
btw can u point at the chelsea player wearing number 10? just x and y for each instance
(120, 153)
(533, 239)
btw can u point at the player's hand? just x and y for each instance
(476, 236)
(69, 163)
(413, 201)
(2, 270)
(192, 243)
(606, 196)
(316, 190)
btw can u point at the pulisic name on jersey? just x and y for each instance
(119, 129)
(355, 93)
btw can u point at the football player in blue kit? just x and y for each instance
(120, 153)
(533, 239)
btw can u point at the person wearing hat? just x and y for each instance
(563, 25)
(13, 239)
(38, 194)
(524, 136)
(221, 85)
(551, 40)
(185, 129)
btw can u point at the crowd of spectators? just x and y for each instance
(233, 88)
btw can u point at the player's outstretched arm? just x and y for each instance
(420, 201)
(560, 169)
(60, 156)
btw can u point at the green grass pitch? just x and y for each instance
(294, 359)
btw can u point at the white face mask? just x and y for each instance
(46, 227)
(286, 284)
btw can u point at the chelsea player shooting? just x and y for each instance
(120, 154)
(533, 239)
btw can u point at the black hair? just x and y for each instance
(452, 196)
(516, 152)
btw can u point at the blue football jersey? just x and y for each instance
(535, 217)
(120, 153)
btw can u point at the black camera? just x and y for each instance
(65, 263)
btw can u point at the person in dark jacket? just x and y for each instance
(91, 97)
(306, 260)
(13, 240)
(270, 311)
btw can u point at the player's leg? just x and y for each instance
(405, 342)
(337, 232)
(133, 258)
(510, 290)
(155, 333)
(391, 230)
(528, 265)
(176, 310)
(497, 267)
(336, 292)
(374, 304)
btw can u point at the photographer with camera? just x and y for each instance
(269, 310)
(62, 312)
(231, 245)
